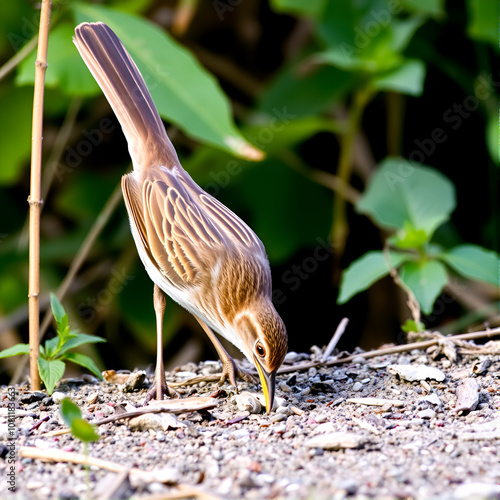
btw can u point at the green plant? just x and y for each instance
(53, 355)
(413, 201)
(80, 429)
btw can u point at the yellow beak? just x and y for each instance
(268, 382)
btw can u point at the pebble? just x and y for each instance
(32, 397)
(246, 402)
(135, 381)
(357, 386)
(359, 360)
(277, 417)
(336, 441)
(428, 413)
(57, 397)
(413, 373)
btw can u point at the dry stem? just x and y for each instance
(34, 198)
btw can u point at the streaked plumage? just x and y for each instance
(193, 248)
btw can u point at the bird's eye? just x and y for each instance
(260, 350)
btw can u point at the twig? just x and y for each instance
(39, 423)
(412, 301)
(18, 57)
(80, 458)
(391, 350)
(169, 406)
(339, 227)
(335, 339)
(34, 199)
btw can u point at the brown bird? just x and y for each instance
(193, 248)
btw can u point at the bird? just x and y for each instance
(193, 247)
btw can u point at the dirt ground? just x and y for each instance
(418, 424)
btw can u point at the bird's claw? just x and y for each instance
(165, 391)
(230, 371)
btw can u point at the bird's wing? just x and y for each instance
(183, 229)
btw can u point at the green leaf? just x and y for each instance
(15, 139)
(69, 411)
(51, 346)
(425, 280)
(405, 79)
(80, 339)
(409, 237)
(431, 8)
(365, 271)
(412, 326)
(58, 310)
(365, 36)
(66, 71)
(401, 191)
(305, 93)
(474, 262)
(83, 431)
(15, 350)
(483, 20)
(182, 90)
(74, 200)
(85, 361)
(50, 372)
(311, 8)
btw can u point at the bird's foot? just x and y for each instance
(165, 390)
(230, 371)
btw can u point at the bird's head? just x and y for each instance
(265, 343)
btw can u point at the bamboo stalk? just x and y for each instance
(34, 199)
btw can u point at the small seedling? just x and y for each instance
(412, 201)
(51, 362)
(80, 429)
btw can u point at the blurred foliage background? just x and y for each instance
(321, 92)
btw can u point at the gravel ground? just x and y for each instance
(323, 441)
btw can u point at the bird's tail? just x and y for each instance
(127, 93)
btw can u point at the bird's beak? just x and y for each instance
(268, 382)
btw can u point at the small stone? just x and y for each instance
(284, 387)
(211, 368)
(336, 441)
(246, 402)
(155, 422)
(413, 373)
(359, 360)
(92, 399)
(32, 397)
(428, 414)
(277, 417)
(57, 397)
(432, 398)
(135, 381)
(467, 395)
(357, 386)
(473, 491)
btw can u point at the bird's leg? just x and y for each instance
(160, 387)
(229, 368)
